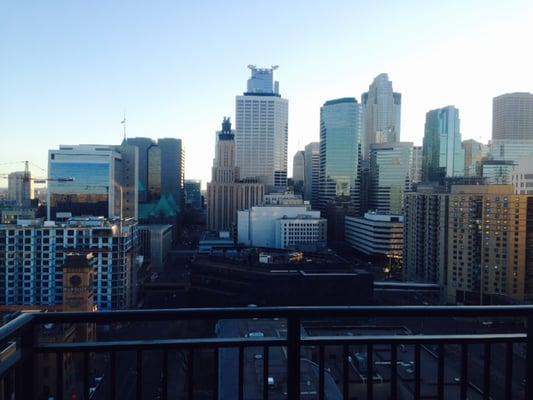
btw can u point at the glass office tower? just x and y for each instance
(443, 153)
(102, 181)
(390, 176)
(340, 153)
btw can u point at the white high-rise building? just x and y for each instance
(381, 114)
(261, 132)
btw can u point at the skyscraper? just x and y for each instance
(474, 153)
(443, 154)
(425, 253)
(489, 250)
(512, 117)
(298, 171)
(390, 176)
(261, 132)
(340, 153)
(193, 194)
(381, 114)
(104, 181)
(311, 173)
(226, 193)
(416, 165)
(161, 177)
(143, 144)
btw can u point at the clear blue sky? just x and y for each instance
(69, 69)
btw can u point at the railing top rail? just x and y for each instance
(284, 312)
(15, 327)
(153, 344)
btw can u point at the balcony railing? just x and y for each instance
(21, 344)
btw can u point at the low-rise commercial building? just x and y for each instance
(375, 234)
(213, 240)
(155, 242)
(276, 278)
(280, 227)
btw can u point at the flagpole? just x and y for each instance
(124, 127)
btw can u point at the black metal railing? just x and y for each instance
(20, 345)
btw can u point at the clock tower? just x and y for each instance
(78, 290)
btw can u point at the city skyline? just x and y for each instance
(54, 92)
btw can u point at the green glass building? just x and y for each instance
(340, 153)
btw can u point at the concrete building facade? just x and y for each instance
(20, 188)
(512, 117)
(489, 245)
(280, 226)
(155, 241)
(375, 234)
(425, 256)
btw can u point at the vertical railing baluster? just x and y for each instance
(24, 373)
(293, 358)
(508, 370)
(266, 358)
(86, 355)
(164, 375)
(139, 374)
(6, 383)
(59, 376)
(369, 372)
(113, 373)
(393, 371)
(529, 358)
(241, 373)
(215, 373)
(321, 372)
(486, 371)
(345, 372)
(417, 371)
(190, 374)
(440, 373)
(464, 371)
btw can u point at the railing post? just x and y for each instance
(24, 373)
(293, 358)
(529, 358)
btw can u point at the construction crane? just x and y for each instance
(27, 176)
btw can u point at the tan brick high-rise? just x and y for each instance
(226, 193)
